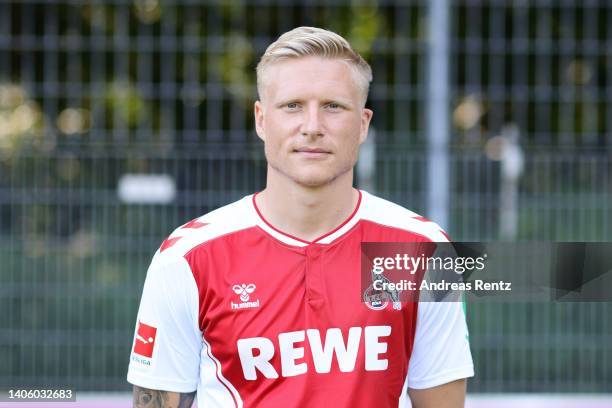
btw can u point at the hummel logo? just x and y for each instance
(244, 291)
(245, 294)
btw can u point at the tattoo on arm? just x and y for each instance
(146, 398)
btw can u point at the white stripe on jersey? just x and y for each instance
(215, 390)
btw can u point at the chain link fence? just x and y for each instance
(91, 91)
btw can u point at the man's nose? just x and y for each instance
(312, 125)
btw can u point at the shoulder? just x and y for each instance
(392, 215)
(216, 224)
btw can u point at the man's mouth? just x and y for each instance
(311, 150)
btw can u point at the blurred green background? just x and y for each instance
(91, 91)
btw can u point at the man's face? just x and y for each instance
(311, 120)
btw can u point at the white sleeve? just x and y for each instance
(167, 340)
(441, 350)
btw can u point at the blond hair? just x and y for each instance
(313, 41)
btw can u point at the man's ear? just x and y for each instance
(366, 117)
(259, 120)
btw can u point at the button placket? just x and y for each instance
(314, 278)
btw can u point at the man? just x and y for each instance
(259, 303)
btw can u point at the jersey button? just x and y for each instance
(314, 251)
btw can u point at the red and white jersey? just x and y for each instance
(250, 316)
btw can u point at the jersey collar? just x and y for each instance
(327, 238)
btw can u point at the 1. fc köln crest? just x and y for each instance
(145, 340)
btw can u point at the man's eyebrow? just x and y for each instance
(340, 101)
(286, 101)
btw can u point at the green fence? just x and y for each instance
(90, 91)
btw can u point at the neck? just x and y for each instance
(307, 212)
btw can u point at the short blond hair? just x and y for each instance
(313, 41)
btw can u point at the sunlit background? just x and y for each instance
(120, 120)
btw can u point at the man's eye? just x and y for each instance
(333, 106)
(292, 105)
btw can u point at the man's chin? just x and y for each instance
(311, 178)
(314, 181)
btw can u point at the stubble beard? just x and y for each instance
(310, 181)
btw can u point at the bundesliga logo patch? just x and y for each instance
(145, 340)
